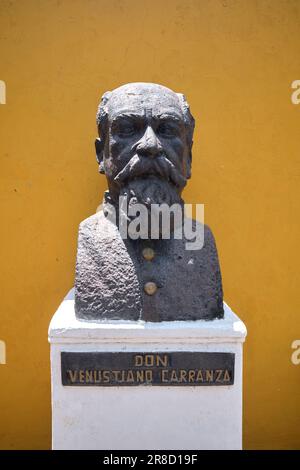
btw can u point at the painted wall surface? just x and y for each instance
(235, 60)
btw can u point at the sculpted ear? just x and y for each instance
(99, 145)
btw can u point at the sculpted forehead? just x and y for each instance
(138, 97)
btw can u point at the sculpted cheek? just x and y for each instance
(120, 153)
(180, 143)
(176, 145)
(175, 151)
(115, 148)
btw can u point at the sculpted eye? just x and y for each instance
(126, 129)
(167, 130)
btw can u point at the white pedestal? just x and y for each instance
(145, 417)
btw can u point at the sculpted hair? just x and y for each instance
(189, 121)
(102, 117)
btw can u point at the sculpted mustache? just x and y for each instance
(141, 166)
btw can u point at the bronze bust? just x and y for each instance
(145, 151)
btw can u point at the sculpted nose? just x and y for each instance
(149, 145)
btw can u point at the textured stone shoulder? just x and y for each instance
(97, 228)
(106, 285)
(93, 220)
(208, 234)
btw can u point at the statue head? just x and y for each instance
(145, 142)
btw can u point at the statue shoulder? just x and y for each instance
(106, 283)
(97, 229)
(92, 221)
(203, 233)
(208, 233)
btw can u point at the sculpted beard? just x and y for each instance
(146, 182)
(150, 190)
(151, 181)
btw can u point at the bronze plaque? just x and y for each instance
(182, 368)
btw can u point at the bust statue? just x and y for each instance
(145, 151)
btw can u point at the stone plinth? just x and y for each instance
(145, 416)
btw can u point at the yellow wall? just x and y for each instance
(235, 60)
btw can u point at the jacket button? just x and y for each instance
(148, 254)
(150, 288)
